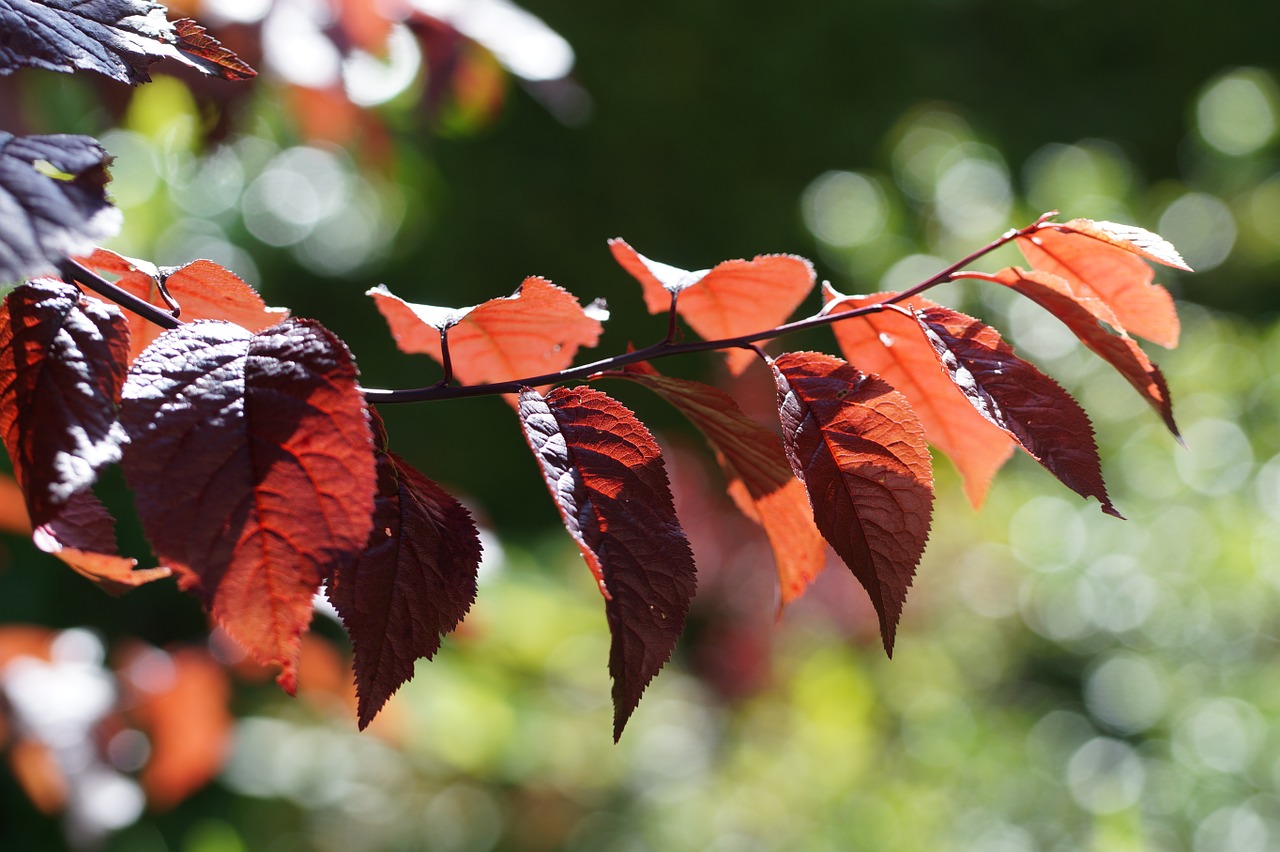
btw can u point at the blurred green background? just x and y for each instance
(1062, 680)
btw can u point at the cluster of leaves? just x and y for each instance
(262, 471)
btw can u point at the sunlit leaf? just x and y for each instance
(82, 535)
(860, 451)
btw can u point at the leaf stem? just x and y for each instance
(72, 271)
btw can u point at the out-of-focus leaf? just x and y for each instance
(756, 471)
(252, 462)
(414, 582)
(1033, 408)
(860, 451)
(202, 289)
(890, 345)
(1096, 326)
(52, 202)
(62, 363)
(118, 38)
(606, 476)
(731, 299)
(1099, 261)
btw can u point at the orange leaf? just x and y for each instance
(182, 706)
(83, 536)
(891, 346)
(733, 298)
(759, 478)
(860, 451)
(1034, 409)
(1105, 261)
(202, 288)
(536, 330)
(13, 507)
(1089, 318)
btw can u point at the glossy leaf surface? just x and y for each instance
(860, 451)
(252, 461)
(607, 478)
(1014, 395)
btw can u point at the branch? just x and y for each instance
(72, 271)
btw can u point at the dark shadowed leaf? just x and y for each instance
(62, 363)
(860, 451)
(1096, 326)
(731, 299)
(202, 288)
(890, 345)
(118, 38)
(414, 582)
(252, 462)
(757, 473)
(535, 331)
(83, 536)
(1097, 262)
(606, 476)
(52, 202)
(1014, 395)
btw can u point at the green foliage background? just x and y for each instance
(1063, 680)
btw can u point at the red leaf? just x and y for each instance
(83, 536)
(202, 289)
(180, 701)
(1102, 260)
(733, 298)
(890, 345)
(606, 475)
(53, 192)
(206, 53)
(1014, 395)
(860, 451)
(535, 331)
(118, 38)
(414, 582)
(252, 462)
(13, 507)
(1097, 328)
(755, 467)
(62, 362)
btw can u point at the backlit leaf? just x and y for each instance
(731, 299)
(82, 534)
(757, 473)
(860, 451)
(118, 38)
(1098, 263)
(414, 582)
(1096, 326)
(52, 202)
(202, 289)
(62, 363)
(1014, 395)
(536, 330)
(890, 345)
(252, 462)
(606, 476)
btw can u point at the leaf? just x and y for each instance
(252, 462)
(1098, 261)
(202, 289)
(1014, 395)
(607, 478)
(180, 701)
(755, 467)
(83, 536)
(13, 507)
(733, 298)
(535, 331)
(414, 582)
(118, 38)
(52, 201)
(890, 345)
(1097, 328)
(860, 451)
(62, 363)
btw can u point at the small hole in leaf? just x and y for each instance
(49, 170)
